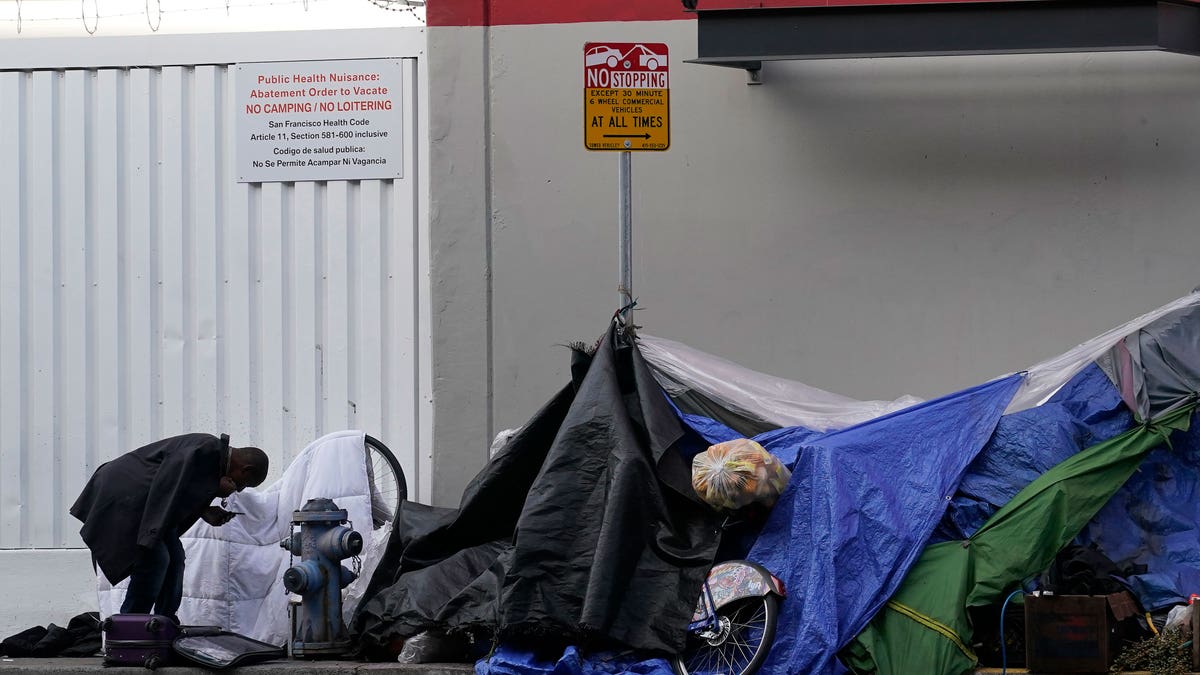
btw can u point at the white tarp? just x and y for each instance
(782, 402)
(234, 573)
(1047, 377)
(788, 403)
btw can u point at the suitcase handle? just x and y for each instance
(200, 631)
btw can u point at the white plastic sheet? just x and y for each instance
(782, 402)
(234, 573)
(788, 403)
(1047, 377)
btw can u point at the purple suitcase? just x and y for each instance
(138, 640)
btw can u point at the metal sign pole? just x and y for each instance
(626, 107)
(625, 285)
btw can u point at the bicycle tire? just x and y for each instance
(698, 652)
(386, 477)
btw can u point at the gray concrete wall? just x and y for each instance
(41, 586)
(459, 266)
(871, 227)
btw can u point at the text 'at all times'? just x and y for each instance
(623, 122)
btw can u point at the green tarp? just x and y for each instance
(924, 627)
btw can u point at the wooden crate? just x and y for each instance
(1195, 638)
(1066, 634)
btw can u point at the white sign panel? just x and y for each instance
(319, 120)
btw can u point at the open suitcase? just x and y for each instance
(222, 649)
(154, 640)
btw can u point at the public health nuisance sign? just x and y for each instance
(626, 96)
(319, 120)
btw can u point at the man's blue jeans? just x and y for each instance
(156, 581)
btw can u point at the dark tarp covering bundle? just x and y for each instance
(583, 527)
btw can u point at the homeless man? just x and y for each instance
(135, 507)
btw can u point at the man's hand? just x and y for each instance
(216, 516)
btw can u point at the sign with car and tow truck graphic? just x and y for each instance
(626, 96)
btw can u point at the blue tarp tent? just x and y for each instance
(864, 501)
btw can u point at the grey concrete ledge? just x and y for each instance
(299, 667)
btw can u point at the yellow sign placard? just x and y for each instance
(626, 96)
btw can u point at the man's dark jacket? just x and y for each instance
(131, 502)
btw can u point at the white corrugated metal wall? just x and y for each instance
(144, 293)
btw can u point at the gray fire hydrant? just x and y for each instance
(322, 543)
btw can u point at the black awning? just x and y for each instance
(744, 38)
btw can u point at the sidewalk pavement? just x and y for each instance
(93, 666)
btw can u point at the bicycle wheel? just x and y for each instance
(738, 646)
(388, 487)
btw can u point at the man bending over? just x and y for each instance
(135, 507)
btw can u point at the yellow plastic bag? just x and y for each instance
(733, 474)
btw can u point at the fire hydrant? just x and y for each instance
(322, 543)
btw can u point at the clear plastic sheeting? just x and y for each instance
(754, 395)
(1047, 377)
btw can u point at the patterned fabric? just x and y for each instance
(733, 581)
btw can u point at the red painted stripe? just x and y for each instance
(455, 13)
(526, 12)
(756, 4)
(530, 12)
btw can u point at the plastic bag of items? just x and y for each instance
(1180, 617)
(737, 473)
